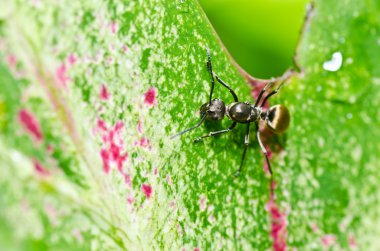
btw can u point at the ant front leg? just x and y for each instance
(246, 142)
(213, 76)
(229, 88)
(209, 68)
(211, 134)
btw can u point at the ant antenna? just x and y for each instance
(191, 128)
(271, 94)
(267, 86)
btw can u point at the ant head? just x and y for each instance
(278, 118)
(213, 111)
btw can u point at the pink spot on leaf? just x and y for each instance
(61, 75)
(114, 27)
(30, 124)
(106, 160)
(139, 127)
(72, 59)
(104, 94)
(118, 126)
(130, 199)
(172, 204)
(147, 190)
(128, 180)
(151, 97)
(168, 179)
(202, 202)
(110, 61)
(102, 125)
(77, 234)
(328, 240)
(11, 59)
(352, 242)
(278, 224)
(314, 227)
(49, 149)
(144, 142)
(113, 145)
(179, 229)
(124, 48)
(40, 169)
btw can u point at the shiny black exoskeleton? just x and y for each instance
(277, 117)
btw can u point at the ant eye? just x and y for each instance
(278, 118)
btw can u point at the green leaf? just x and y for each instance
(85, 83)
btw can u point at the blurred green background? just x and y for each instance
(261, 35)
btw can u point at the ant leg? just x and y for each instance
(189, 129)
(271, 94)
(262, 92)
(229, 88)
(209, 68)
(246, 142)
(211, 134)
(263, 149)
(271, 184)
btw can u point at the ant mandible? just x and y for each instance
(277, 117)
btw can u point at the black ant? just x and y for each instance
(277, 117)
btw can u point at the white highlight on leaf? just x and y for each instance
(335, 63)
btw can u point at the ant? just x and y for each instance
(277, 117)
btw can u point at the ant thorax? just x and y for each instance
(243, 112)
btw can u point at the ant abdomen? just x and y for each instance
(278, 118)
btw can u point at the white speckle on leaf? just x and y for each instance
(349, 115)
(202, 202)
(321, 141)
(376, 81)
(335, 63)
(352, 99)
(349, 60)
(357, 153)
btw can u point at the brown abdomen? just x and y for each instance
(278, 118)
